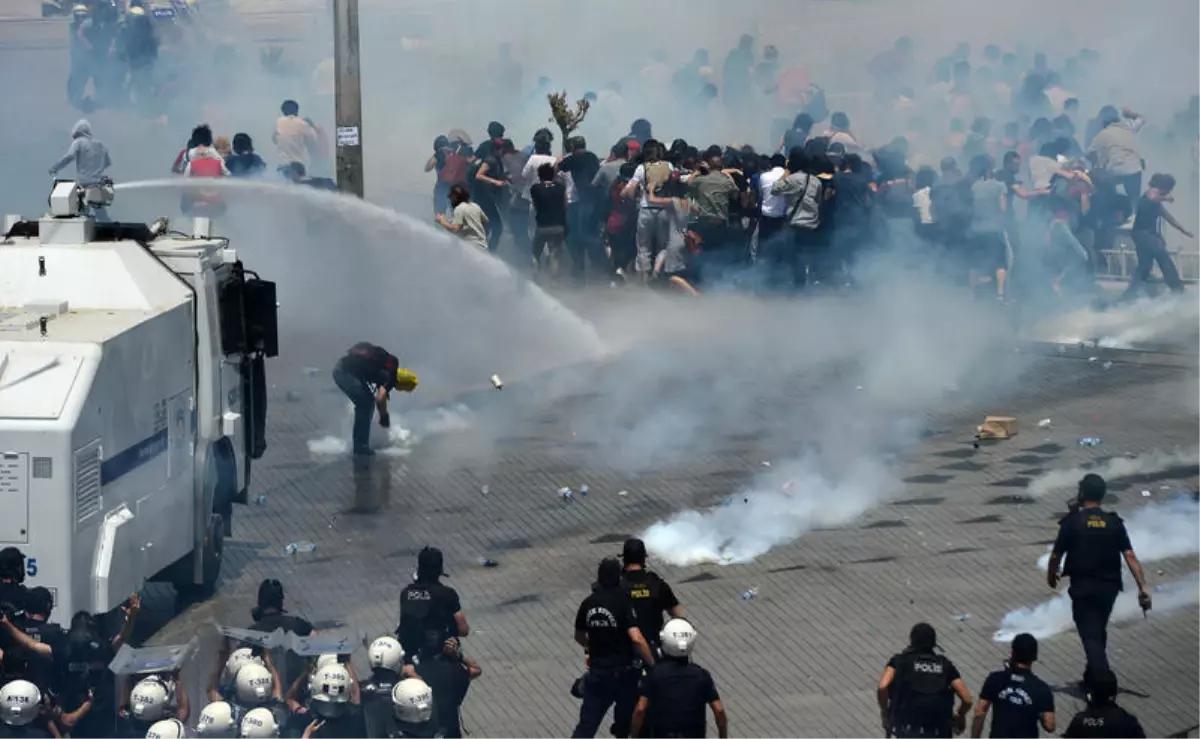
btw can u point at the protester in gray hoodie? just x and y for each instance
(90, 156)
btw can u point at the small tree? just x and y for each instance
(568, 120)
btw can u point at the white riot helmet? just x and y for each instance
(149, 699)
(171, 728)
(677, 638)
(412, 701)
(259, 723)
(237, 659)
(386, 653)
(217, 720)
(325, 660)
(20, 700)
(254, 684)
(330, 690)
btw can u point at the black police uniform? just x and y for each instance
(449, 680)
(376, 692)
(1093, 541)
(1018, 698)
(426, 613)
(651, 597)
(12, 604)
(922, 701)
(678, 693)
(348, 724)
(612, 679)
(289, 664)
(82, 667)
(33, 667)
(1109, 720)
(364, 367)
(36, 729)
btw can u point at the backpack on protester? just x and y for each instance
(455, 169)
(923, 696)
(806, 213)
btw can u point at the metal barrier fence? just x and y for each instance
(1119, 262)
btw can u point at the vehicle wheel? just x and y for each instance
(213, 555)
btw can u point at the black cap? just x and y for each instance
(1102, 687)
(429, 564)
(634, 552)
(923, 636)
(1025, 649)
(609, 573)
(495, 129)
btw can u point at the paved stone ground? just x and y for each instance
(800, 660)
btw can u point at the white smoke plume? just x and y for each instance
(1146, 464)
(792, 500)
(1054, 616)
(1127, 326)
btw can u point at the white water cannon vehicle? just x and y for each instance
(132, 400)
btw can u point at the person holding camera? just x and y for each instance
(1094, 541)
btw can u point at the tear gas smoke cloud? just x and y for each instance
(1127, 326)
(1160, 531)
(1054, 616)
(1065, 481)
(405, 432)
(869, 372)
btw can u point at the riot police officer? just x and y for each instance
(1094, 541)
(448, 673)
(218, 720)
(35, 661)
(413, 712)
(917, 688)
(678, 689)
(606, 627)
(386, 658)
(650, 594)
(23, 712)
(429, 609)
(1103, 717)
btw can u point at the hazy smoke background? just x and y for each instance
(1065, 481)
(1158, 531)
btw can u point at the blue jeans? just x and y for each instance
(364, 404)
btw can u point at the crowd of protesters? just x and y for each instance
(988, 180)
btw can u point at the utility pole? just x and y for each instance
(348, 97)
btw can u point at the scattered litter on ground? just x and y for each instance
(485, 562)
(1093, 359)
(622, 493)
(485, 490)
(1090, 441)
(1106, 366)
(766, 463)
(583, 490)
(299, 547)
(858, 387)
(260, 500)
(788, 485)
(750, 594)
(1145, 493)
(963, 617)
(1160, 573)
(566, 493)
(1044, 423)
(497, 382)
